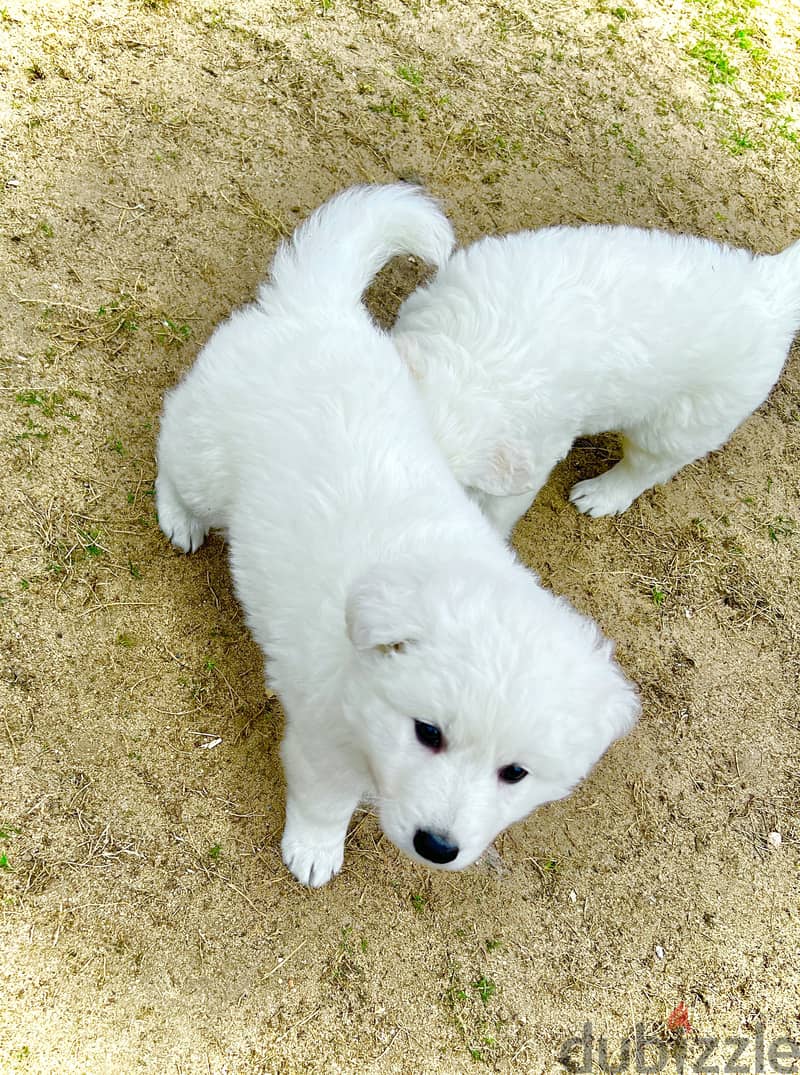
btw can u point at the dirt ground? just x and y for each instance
(153, 153)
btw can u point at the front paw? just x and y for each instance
(604, 495)
(312, 861)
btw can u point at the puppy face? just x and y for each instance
(475, 702)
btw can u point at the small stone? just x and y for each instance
(775, 839)
(659, 952)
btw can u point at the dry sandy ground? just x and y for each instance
(152, 154)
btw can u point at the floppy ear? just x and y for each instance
(508, 470)
(382, 609)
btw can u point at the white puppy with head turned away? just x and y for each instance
(420, 666)
(521, 343)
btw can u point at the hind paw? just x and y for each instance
(605, 495)
(182, 528)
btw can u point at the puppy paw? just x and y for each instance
(182, 529)
(604, 495)
(313, 864)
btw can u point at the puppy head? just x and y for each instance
(476, 699)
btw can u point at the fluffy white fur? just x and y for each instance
(524, 342)
(378, 591)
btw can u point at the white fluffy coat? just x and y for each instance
(521, 343)
(379, 593)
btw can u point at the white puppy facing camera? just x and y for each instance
(420, 666)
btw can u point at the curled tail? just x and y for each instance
(338, 250)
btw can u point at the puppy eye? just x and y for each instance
(512, 774)
(428, 734)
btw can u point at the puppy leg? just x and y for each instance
(322, 791)
(174, 518)
(652, 454)
(503, 511)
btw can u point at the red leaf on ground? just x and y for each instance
(678, 1019)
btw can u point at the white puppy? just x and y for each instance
(522, 343)
(418, 663)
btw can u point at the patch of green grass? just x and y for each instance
(658, 596)
(738, 142)
(468, 1006)
(33, 432)
(120, 314)
(126, 640)
(418, 902)
(410, 74)
(785, 128)
(780, 527)
(397, 109)
(90, 542)
(49, 403)
(345, 969)
(4, 863)
(732, 45)
(171, 333)
(743, 38)
(484, 987)
(718, 65)
(482, 142)
(634, 151)
(215, 852)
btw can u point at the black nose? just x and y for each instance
(434, 848)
